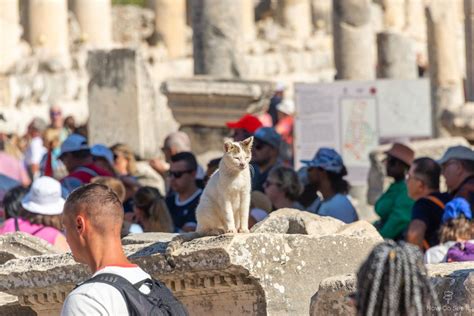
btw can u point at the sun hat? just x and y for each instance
(247, 122)
(327, 159)
(286, 106)
(401, 152)
(268, 135)
(73, 142)
(457, 152)
(44, 197)
(103, 151)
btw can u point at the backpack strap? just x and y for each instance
(435, 200)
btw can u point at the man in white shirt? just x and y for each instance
(92, 220)
(35, 150)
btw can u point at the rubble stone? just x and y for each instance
(234, 274)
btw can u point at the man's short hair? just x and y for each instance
(188, 157)
(179, 141)
(428, 171)
(99, 203)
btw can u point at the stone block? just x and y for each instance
(123, 103)
(21, 245)
(232, 274)
(453, 282)
(208, 101)
(433, 148)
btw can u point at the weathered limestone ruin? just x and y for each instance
(123, 103)
(396, 56)
(95, 21)
(453, 282)
(287, 10)
(354, 40)
(170, 25)
(274, 270)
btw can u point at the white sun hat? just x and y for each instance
(44, 197)
(286, 106)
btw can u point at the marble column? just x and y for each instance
(396, 56)
(445, 72)
(216, 38)
(170, 25)
(10, 33)
(95, 20)
(354, 40)
(295, 15)
(394, 14)
(248, 20)
(48, 29)
(469, 33)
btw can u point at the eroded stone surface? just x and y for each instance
(20, 245)
(253, 273)
(453, 282)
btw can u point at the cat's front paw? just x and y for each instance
(231, 231)
(243, 230)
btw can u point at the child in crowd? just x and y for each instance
(456, 229)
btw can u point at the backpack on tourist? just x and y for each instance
(160, 300)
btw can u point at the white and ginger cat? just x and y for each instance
(225, 203)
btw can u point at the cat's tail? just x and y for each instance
(177, 241)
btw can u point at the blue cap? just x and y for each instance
(73, 142)
(268, 135)
(326, 158)
(455, 208)
(103, 151)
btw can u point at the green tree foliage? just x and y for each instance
(134, 2)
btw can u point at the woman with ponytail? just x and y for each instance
(151, 211)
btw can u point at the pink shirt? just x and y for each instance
(44, 232)
(13, 168)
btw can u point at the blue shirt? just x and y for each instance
(340, 207)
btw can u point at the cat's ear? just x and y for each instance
(228, 146)
(247, 143)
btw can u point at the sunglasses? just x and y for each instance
(178, 174)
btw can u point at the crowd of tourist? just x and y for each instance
(41, 169)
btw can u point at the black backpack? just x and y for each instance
(160, 300)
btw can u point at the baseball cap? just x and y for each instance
(268, 135)
(327, 159)
(455, 208)
(44, 197)
(286, 106)
(457, 152)
(100, 150)
(73, 142)
(248, 122)
(401, 152)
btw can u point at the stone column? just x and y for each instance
(48, 29)
(469, 33)
(295, 15)
(394, 14)
(415, 19)
(170, 24)
(445, 73)
(354, 40)
(95, 20)
(322, 15)
(217, 38)
(10, 32)
(248, 20)
(396, 56)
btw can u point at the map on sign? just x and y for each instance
(359, 129)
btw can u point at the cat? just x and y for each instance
(225, 202)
